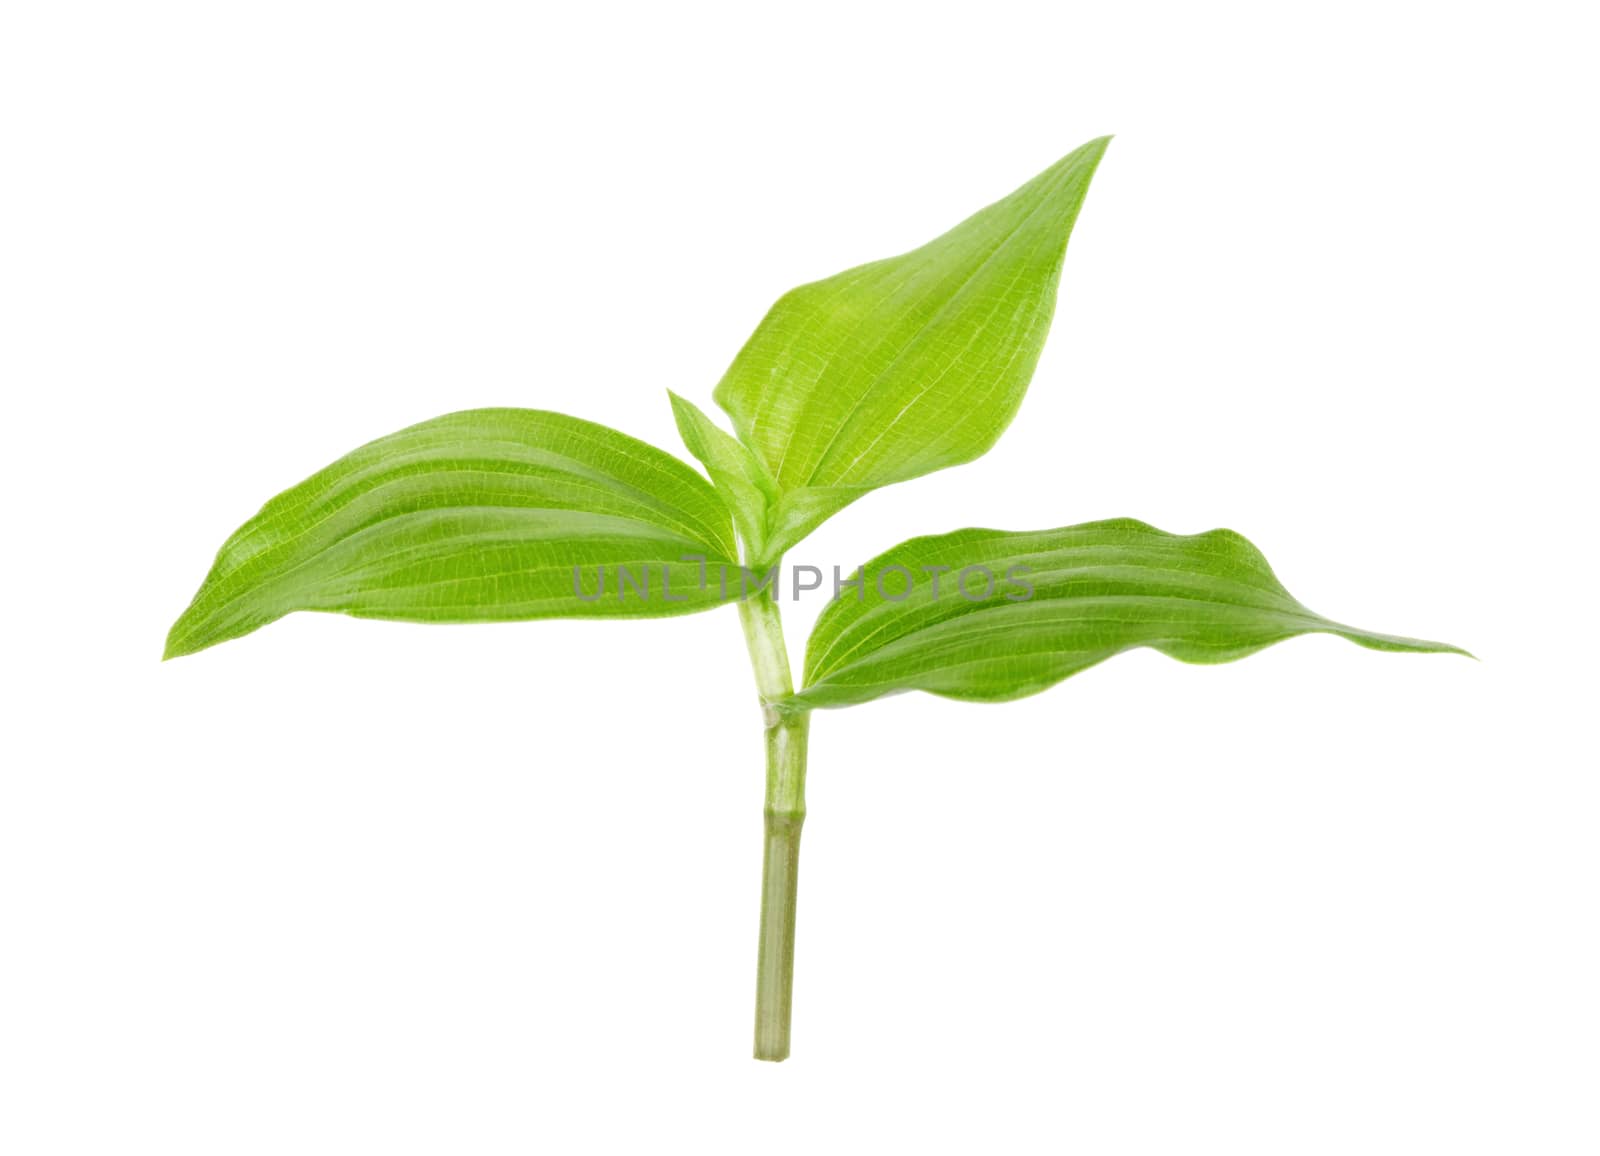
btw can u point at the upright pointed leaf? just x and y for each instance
(907, 365)
(990, 615)
(736, 472)
(479, 516)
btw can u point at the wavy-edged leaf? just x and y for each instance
(477, 516)
(904, 366)
(1061, 601)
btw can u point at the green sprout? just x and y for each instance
(878, 375)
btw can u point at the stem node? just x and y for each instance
(784, 815)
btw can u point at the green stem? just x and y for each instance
(785, 812)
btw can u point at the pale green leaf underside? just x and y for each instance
(904, 366)
(478, 516)
(1097, 590)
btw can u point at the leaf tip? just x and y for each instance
(684, 413)
(1399, 643)
(1088, 156)
(188, 635)
(178, 643)
(1092, 150)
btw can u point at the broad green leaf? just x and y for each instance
(738, 475)
(904, 366)
(928, 617)
(486, 515)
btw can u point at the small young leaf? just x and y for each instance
(487, 515)
(991, 615)
(905, 366)
(735, 471)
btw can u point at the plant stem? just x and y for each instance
(785, 812)
(780, 878)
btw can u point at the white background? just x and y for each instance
(349, 887)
